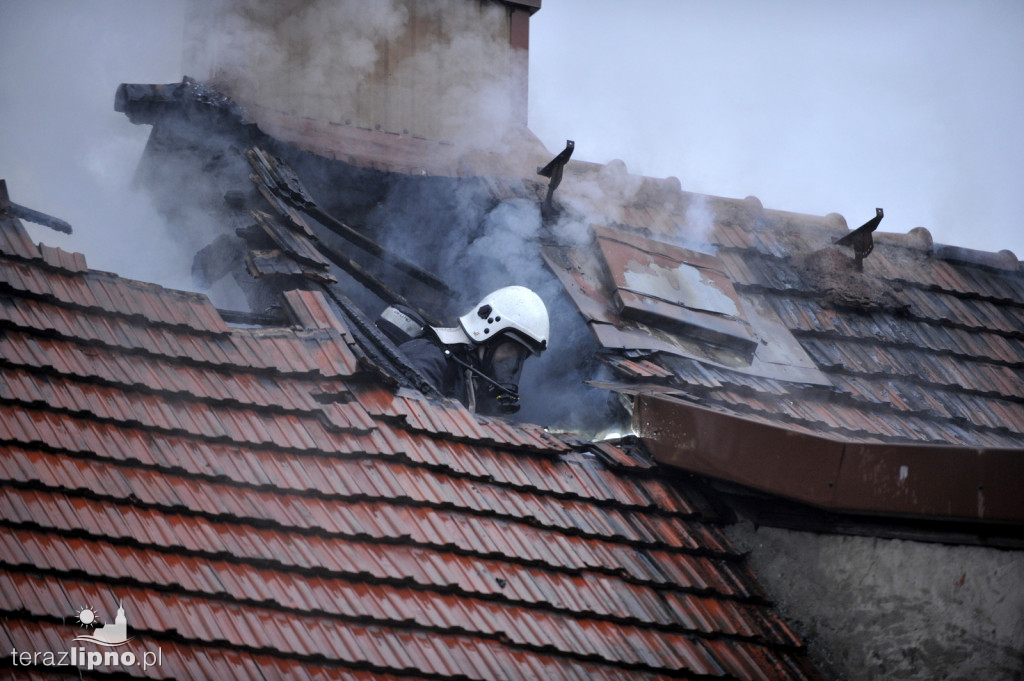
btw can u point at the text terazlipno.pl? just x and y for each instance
(80, 657)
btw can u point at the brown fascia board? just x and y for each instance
(937, 482)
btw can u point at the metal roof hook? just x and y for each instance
(861, 241)
(554, 170)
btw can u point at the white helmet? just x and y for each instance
(514, 311)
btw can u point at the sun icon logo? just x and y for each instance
(87, 617)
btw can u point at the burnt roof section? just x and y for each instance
(753, 313)
(263, 503)
(917, 348)
(924, 346)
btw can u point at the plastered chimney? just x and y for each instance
(445, 70)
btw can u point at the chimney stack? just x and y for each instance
(444, 70)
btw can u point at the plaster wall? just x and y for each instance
(446, 70)
(891, 609)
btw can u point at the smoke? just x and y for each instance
(699, 223)
(472, 72)
(812, 107)
(441, 69)
(477, 244)
(80, 161)
(63, 148)
(284, 55)
(599, 194)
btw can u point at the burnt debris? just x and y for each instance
(290, 231)
(278, 178)
(148, 104)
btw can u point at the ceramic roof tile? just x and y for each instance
(954, 333)
(264, 507)
(15, 240)
(113, 296)
(312, 310)
(289, 352)
(60, 259)
(127, 370)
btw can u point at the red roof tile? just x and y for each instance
(952, 331)
(263, 507)
(61, 259)
(925, 346)
(14, 240)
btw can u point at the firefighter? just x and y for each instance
(479, 362)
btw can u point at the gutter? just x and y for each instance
(928, 481)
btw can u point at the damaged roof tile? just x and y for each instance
(261, 505)
(925, 346)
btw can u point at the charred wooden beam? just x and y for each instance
(375, 285)
(274, 262)
(304, 249)
(283, 189)
(310, 258)
(379, 348)
(148, 103)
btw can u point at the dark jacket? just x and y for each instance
(428, 357)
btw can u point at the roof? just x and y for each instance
(263, 504)
(882, 374)
(923, 348)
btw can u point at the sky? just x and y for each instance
(813, 107)
(63, 148)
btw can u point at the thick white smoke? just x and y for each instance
(286, 54)
(439, 69)
(63, 148)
